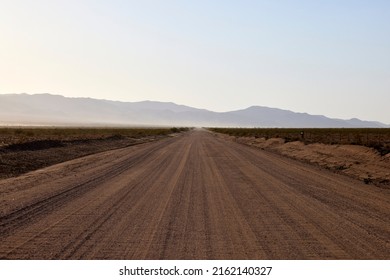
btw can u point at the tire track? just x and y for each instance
(13, 220)
(51, 205)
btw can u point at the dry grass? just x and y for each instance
(11, 136)
(26, 149)
(378, 138)
(366, 161)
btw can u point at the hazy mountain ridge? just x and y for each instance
(48, 109)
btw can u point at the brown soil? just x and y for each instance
(19, 158)
(359, 162)
(194, 196)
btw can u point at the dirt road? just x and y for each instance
(194, 196)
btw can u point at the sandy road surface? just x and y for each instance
(191, 197)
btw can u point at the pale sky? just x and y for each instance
(329, 57)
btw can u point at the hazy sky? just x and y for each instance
(321, 57)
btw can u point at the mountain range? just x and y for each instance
(49, 109)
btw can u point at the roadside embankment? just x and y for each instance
(360, 162)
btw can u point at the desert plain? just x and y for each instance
(193, 194)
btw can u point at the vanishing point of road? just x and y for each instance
(193, 196)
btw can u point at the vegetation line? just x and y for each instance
(27, 149)
(377, 138)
